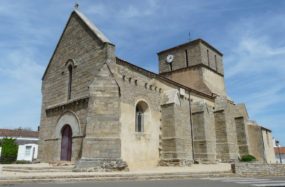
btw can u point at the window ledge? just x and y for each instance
(142, 135)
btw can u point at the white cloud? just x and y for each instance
(254, 65)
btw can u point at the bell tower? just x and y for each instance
(195, 64)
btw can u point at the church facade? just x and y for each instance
(103, 112)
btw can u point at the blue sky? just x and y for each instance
(250, 34)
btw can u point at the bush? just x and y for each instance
(9, 151)
(23, 162)
(247, 158)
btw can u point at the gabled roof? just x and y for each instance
(19, 133)
(89, 25)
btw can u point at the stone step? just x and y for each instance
(20, 170)
(111, 177)
(37, 169)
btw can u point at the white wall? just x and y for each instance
(22, 149)
(27, 152)
(282, 158)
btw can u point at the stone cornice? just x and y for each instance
(73, 102)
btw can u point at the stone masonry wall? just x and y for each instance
(139, 149)
(256, 142)
(204, 133)
(268, 146)
(79, 44)
(211, 61)
(147, 148)
(197, 54)
(50, 147)
(241, 121)
(258, 169)
(194, 57)
(242, 137)
(176, 146)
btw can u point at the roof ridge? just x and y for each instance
(92, 27)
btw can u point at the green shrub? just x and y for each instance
(23, 162)
(9, 151)
(247, 158)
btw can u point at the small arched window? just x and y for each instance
(141, 109)
(69, 81)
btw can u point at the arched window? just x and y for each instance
(141, 109)
(69, 81)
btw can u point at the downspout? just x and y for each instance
(191, 127)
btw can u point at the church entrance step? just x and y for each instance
(126, 176)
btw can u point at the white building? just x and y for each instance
(26, 140)
(280, 154)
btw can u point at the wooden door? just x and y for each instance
(66, 143)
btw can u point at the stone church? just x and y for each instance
(101, 111)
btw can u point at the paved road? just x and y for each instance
(213, 182)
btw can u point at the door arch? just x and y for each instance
(66, 143)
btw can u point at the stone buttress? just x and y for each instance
(102, 143)
(176, 146)
(204, 132)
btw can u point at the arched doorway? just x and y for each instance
(66, 143)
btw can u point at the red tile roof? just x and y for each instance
(19, 133)
(282, 150)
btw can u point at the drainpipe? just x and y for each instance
(191, 127)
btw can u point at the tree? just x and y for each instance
(9, 151)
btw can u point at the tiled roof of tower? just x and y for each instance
(19, 133)
(152, 74)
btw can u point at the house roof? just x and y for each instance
(154, 75)
(19, 133)
(282, 150)
(89, 25)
